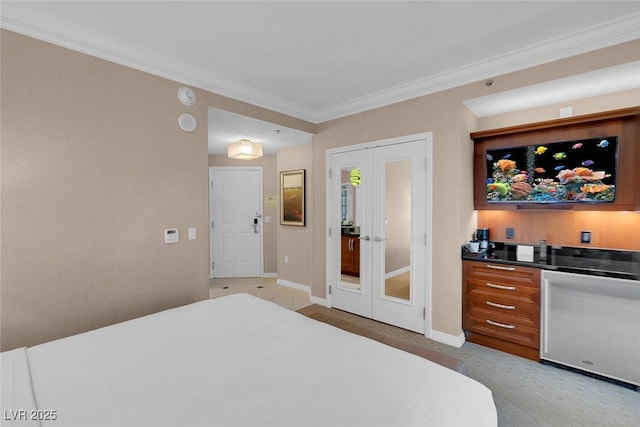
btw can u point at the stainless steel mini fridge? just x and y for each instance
(592, 323)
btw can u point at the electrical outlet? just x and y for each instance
(510, 233)
(585, 237)
(286, 259)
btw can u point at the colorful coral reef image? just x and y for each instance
(567, 171)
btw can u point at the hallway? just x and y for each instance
(262, 287)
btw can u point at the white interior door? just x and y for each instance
(236, 222)
(378, 256)
(351, 243)
(399, 235)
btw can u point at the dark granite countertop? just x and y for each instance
(571, 259)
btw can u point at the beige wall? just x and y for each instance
(269, 187)
(93, 168)
(297, 243)
(444, 114)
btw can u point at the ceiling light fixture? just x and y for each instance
(244, 150)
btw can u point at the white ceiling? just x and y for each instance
(319, 60)
(226, 127)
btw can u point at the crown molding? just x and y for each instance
(44, 27)
(597, 37)
(20, 19)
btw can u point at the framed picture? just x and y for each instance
(292, 197)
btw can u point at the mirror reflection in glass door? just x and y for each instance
(397, 229)
(350, 228)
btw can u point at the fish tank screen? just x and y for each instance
(582, 171)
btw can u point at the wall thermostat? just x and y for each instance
(171, 235)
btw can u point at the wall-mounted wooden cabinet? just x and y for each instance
(625, 124)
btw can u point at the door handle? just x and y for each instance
(378, 239)
(365, 238)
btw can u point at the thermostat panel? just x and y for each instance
(171, 235)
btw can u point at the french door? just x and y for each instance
(378, 249)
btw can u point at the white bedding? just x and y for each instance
(242, 361)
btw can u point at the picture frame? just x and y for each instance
(292, 197)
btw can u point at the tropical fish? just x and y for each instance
(587, 163)
(603, 143)
(541, 150)
(490, 157)
(576, 146)
(506, 156)
(560, 156)
(558, 168)
(539, 170)
(489, 180)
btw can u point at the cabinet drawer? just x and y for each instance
(491, 324)
(503, 289)
(505, 276)
(519, 311)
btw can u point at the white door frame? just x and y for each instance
(330, 259)
(260, 204)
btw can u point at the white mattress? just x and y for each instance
(240, 361)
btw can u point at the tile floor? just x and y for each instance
(262, 287)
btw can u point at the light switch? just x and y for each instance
(267, 219)
(192, 233)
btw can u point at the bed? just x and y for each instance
(233, 361)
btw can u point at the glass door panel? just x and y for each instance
(399, 235)
(397, 229)
(350, 220)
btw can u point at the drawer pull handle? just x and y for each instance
(506, 288)
(500, 325)
(501, 267)
(506, 307)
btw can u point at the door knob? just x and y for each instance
(365, 238)
(378, 239)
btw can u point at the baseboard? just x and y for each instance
(452, 340)
(294, 285)
(318, 300)
(269, 274)
(303, 288)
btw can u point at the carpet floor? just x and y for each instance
(526, 393)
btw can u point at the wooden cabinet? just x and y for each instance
(501, 307)
(350, 256)
(624, 123)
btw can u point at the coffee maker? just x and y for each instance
(482, 234)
